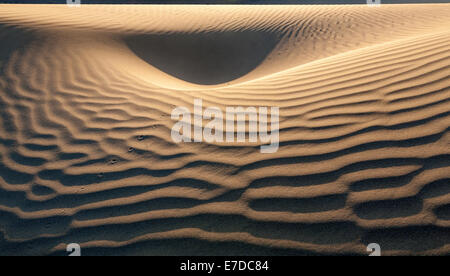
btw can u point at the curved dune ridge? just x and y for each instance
(87, 157)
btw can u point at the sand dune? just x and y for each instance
(87, 156)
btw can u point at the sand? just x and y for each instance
(86, 154)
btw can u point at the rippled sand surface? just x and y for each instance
(86, 154)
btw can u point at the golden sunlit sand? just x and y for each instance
(86, 96)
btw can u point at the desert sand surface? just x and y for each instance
(86, 154)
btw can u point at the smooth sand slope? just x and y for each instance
(87, 157)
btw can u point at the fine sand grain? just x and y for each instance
(86, 154)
